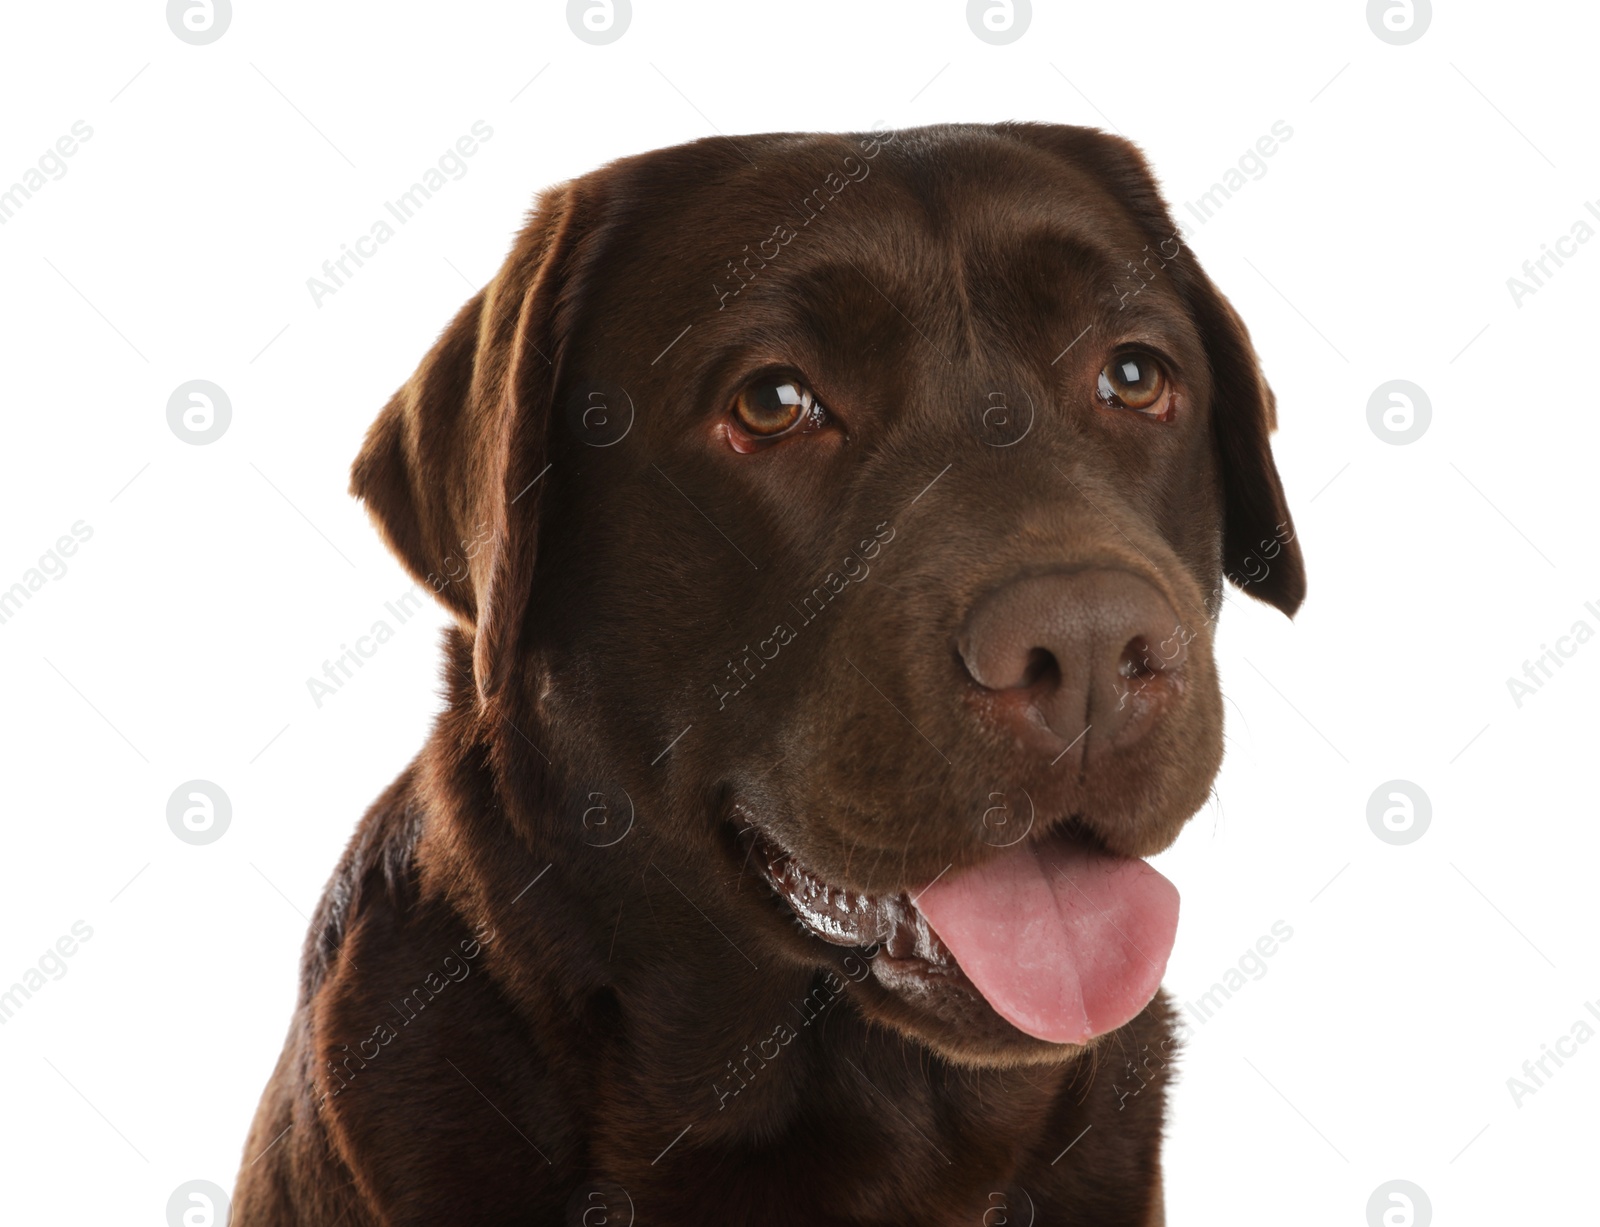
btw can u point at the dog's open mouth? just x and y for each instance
(847, 918)
(1063, 941)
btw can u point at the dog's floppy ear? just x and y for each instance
(1259, 550)
(449, 470)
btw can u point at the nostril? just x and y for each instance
(1041, 668)
(1137, 662)
(1144, 657)
(1141, 659)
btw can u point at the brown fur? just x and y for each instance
(509, 1015)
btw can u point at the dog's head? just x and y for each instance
(860, 506)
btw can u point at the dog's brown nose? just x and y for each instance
(1086, 659)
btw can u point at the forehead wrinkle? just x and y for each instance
(944, 205)
(896, 234)
(1155, 313)
(914, 235)
(914, 249)
(836, 303)
(842, 296)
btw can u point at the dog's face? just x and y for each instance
(860, 508)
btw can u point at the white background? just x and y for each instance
(218, 578)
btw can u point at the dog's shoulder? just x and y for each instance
(378, 869)
(289, 1174)
(399, 1023)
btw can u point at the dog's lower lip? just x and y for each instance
(890, 923)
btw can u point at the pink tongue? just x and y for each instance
(1065, 943)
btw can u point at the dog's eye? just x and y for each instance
(774, 405)
(1135, 380)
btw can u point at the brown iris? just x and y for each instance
(1136, 380)
(774, 405)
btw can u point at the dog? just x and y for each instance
(834, 529)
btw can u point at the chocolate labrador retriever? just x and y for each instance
(834, 528)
